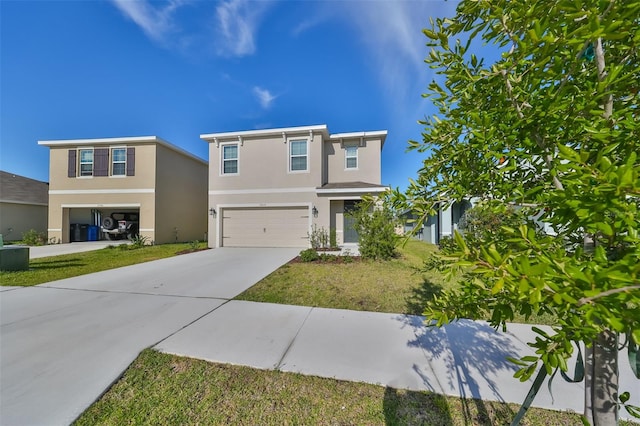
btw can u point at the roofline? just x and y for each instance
(352, 190)
(382, 134)
(130, 139)
(209, 137)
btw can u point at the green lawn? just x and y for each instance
(395, 286)
(70, 265)
(169, 390)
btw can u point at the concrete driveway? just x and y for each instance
(63, 343)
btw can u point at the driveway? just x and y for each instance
(63, 343)
(37, 252)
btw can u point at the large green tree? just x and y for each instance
(552, 126)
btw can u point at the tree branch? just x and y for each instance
(585, 300)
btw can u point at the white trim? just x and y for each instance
(237, 159)
(260, 191)
(146, 230)
(26, 203)
(345, 198)
(220, 214)
(352, 190)
(122, 140)
(101, 191)
(210, 137)
(94, 205)
(54, 230)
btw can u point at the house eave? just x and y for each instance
(211, 137)
(364, 190)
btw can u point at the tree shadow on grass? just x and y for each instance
(404, 407)
(468, 359)
(57, 264)
(417, 300)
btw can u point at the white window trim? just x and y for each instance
(111, 162)
(298, 139)
(346, 157)
(237, 159)
(79, 163)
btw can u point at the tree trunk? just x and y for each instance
(601, 380)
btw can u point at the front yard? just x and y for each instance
(396, 286)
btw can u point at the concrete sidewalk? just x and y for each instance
(466, 359)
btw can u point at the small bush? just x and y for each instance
(194, 245)
(333, 240)
(34, 238)
(328, 258)
(319, 237)
(309, 255)
(375, 225)
(139, 241)
(447, 244)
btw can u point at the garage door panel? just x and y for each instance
(265, 227)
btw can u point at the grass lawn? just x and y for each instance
(165, 389)
(71, 265)
(395, 286)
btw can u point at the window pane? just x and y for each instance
(352, 163)
(86, 155)
(351, 151)
(119, 155)
(230, 166)
(118, 169)
(298, 163)
(230, 152)
(298, 147)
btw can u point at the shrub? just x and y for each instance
(328, 258)
(34, 238)
(333, 240)
(139, 241)
(194, 245)
(309, 255)
(447, 244)
(319, 237)
(376, 230)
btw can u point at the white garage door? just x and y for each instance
(265, 227)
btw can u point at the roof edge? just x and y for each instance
(208, 137)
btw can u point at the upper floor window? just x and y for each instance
(86, 162)
(118, 161)
(298, 158)
(351, 157)
(230, 159)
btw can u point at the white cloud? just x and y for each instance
(264, 97)
(238, 22)
(156, 21)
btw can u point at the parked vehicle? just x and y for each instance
(119, 225)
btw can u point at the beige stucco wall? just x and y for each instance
(18, 218)
(264, 163)
(181, 197)
(369, 165)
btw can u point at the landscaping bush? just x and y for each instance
(319, 237)
(375, 225)
(333, 240)
(309, 255)
(34, 238)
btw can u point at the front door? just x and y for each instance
(350, 234)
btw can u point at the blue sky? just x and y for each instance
(180, 68)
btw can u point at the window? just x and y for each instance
(230, 159)
(86, 162)
(118, 161)
(298, 155)
(351, 157)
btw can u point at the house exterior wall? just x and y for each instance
(368, 160)
(181, 197)
(18, 218)
(264, 178)
(167, 186)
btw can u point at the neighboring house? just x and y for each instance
(145, 177)
(23, 206)
(443, 224)
(268, 188)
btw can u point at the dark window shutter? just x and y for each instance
(71, 171)
(131, 161)
(101, 162)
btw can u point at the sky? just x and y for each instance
(181, 68)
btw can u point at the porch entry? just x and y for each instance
(349, 233)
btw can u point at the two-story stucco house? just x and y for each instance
(162, 185)
(268, 188)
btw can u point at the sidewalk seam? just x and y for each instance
(286, 351)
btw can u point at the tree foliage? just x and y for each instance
(374, 222)
(551, 126)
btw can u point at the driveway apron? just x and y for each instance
(63, 343)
